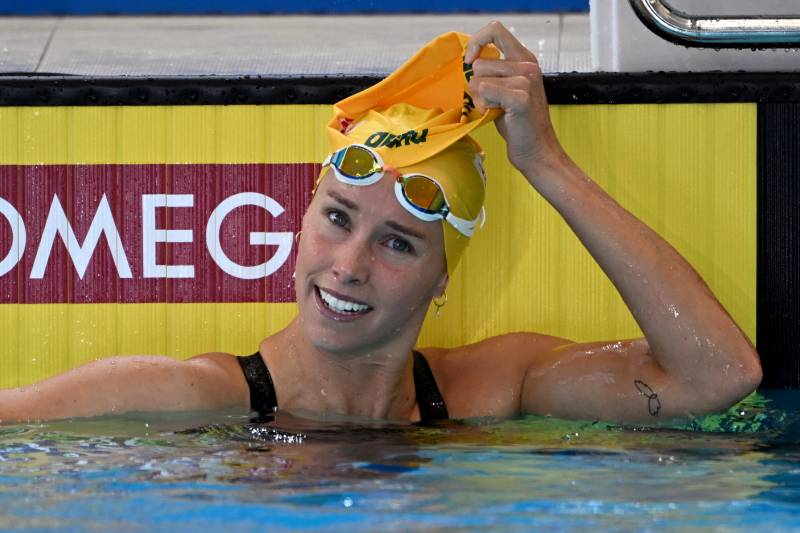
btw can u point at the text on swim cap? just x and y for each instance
(468, 71)
(467, 108)
(389, 140)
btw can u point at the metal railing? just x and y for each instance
(757, 31)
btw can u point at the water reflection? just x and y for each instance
(721, 471)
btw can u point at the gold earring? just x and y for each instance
(441, 303)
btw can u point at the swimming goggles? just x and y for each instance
(420, 195)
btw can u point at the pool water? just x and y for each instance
(736, 471)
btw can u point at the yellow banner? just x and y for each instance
(689, 171)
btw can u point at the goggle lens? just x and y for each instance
(358, 162)
(423, 193)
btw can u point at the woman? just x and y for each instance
(379, 243)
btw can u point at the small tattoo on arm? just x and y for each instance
(653, 403)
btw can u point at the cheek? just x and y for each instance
(407, 287)
(319, 232)
(308, 255)
(316, 234)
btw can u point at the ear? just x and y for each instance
(305, 216)
(441, 285)
(311, 204)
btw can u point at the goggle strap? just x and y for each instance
(464, 226)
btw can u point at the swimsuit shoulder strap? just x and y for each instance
(262, 391)
(264, 401)
(430, 401)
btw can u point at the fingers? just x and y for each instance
(511, 94)
(497, 34)
(487, 68)
(522, 83)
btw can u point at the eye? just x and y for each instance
(400, 245)
(337, 218)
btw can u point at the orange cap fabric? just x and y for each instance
(435, 79)
(418, 120)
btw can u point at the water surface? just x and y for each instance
(737, 471)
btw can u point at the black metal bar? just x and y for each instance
(571, 88)
(778, 266)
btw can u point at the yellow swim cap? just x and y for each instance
(418, 120)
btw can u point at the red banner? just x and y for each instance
(150, 233)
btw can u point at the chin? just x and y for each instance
(353, 332)
(356, 338)
(338, 342)
(330, 335)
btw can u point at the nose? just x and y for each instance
(353, 262)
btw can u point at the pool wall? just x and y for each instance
(191, 191)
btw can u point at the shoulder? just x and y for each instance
(485, 378)
(510, 348)
(224, 367)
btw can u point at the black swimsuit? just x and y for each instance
(264, 401)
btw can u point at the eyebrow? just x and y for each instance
(342, 200)
(405, 229)
(391, 223)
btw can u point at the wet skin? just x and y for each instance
(359, 244)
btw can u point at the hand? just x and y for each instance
(515, 85)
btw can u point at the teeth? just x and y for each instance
(341, 306)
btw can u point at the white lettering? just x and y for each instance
(81, 254)
(283, 240)
(18, 237)
(152, 235)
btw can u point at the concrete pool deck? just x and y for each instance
(367, 45)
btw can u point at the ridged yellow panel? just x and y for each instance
(689, 171)
(40, 340)
(165, 134)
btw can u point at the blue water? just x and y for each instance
(734, 472)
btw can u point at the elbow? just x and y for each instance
(747, 377)
(752, 373)
(749, 373)
(741, 379)
(12, 410)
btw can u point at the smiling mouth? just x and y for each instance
(340, 306)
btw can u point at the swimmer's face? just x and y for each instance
(381, 265)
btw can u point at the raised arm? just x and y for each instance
(694, 357)
(134, 383)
